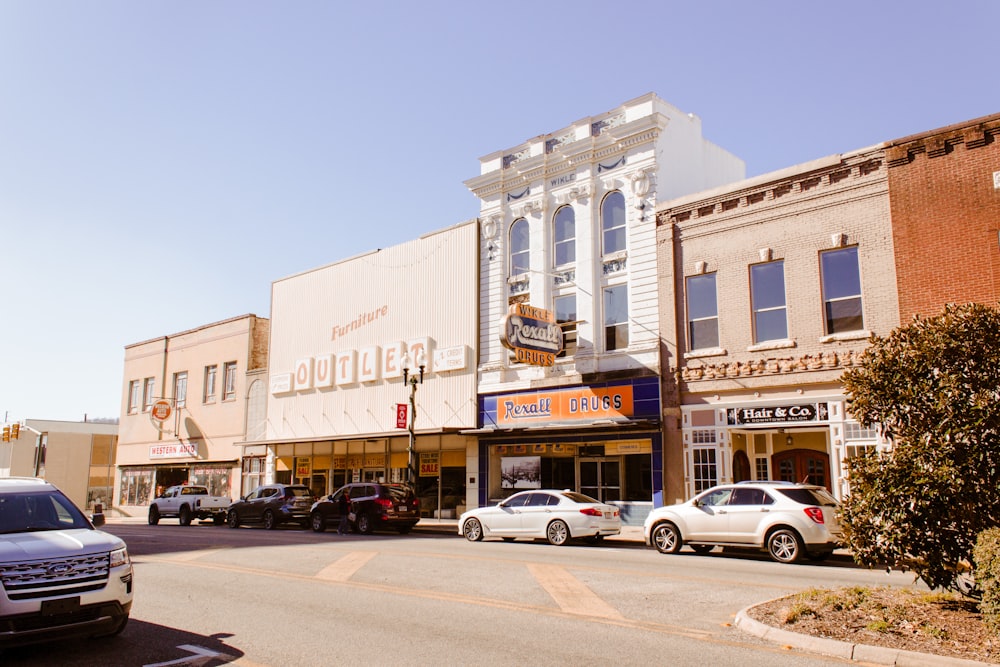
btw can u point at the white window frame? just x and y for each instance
(180, 389)
(211, 379)
(608, 226)
(229, 381)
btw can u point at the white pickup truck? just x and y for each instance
(186, 502)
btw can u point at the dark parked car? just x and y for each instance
(273, 505)
(375, 507)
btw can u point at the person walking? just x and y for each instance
(344, 506)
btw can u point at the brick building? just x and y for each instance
(769, 289)
(944, 194)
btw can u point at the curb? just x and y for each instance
(878, 655)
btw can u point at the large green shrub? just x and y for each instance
(933, 387)
(987, 555)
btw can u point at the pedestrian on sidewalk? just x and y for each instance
(344, 507)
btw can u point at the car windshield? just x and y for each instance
(578, 497)
(41, 510)
(809, 496)
(300, 491)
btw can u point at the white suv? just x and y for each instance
(787, 520)
(59, 575)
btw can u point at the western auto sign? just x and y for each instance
(533, 334)
(808, 412)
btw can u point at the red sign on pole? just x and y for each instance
(401, 414)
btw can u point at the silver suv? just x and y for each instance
(787, 520)
(59, 575)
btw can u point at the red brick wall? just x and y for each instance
(946, 216)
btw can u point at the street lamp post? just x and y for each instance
(412, 380)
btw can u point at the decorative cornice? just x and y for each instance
(824, 361)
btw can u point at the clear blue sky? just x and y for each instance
(162, 162)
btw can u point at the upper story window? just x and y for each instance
(520, 247)
(180, 389)
(767, 298)
(148, 394)
(703, 311)
(134, 387)
(565, 307)
(841, 290)
(564, 248)
(210, 375)
(229, 381)
(616, 317)
(613, 223)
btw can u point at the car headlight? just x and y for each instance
(119, 557)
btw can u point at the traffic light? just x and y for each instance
(15, 430)
(6, 433)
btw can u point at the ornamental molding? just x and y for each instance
(824, 361)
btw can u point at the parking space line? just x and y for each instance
(344, 568)
(572, 596)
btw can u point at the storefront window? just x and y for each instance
(135, 486)
(253, 473)
(216, 478)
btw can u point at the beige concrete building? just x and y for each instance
(778, 282)
(339, 408)
(187, 400)
(78, 457)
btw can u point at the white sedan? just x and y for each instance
(558, 516)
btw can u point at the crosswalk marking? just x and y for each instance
(572, 596)
(344, 568)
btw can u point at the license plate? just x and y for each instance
(403, 508)
(62, 606)
(607, 515)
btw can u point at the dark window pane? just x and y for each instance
(844, 316)
(704, 333)
(519, 247)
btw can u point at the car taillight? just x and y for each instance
(591, 511)
(814, 513)
(384, 502)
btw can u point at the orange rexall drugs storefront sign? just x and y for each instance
(581, 404)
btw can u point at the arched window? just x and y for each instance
(613, 222)
(564, 236)
(519, 247)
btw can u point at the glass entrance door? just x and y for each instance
(601, 478)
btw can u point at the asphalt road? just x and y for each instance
(208, 595)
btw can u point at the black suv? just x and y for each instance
(273, 505)
(375, 507)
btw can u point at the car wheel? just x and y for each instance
(666, 538)
(318, 522)
(702, 548)
(784, 545)
(185, 516)
(365, 526)
(557, 533)
(473, 530)
(269, 522)
(233, 519)
(154, 515)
